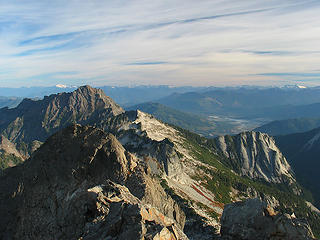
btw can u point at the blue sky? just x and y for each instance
(171, 42)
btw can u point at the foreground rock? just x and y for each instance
(82, 184)
(253, 219)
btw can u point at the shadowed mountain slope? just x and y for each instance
(289, 126)
(269, 103)
(302, 151)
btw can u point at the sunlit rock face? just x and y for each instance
(256, 155)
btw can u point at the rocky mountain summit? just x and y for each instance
(93, 180)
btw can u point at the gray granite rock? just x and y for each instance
(254, 219)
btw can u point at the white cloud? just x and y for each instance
(214, 42)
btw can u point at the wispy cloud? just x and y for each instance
(211, 42)
(292, 74)
(146, 63)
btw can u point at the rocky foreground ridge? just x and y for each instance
(75, 187)
(91, 181)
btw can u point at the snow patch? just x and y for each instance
(61, 86)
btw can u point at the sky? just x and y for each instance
(167, 42)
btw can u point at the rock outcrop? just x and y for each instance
(254, 219)
(82, 184)
(8, 147)
(255, 155)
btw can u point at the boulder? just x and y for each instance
(254, 219)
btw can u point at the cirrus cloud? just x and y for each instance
(219, 42)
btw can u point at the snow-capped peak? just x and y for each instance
(61, 86)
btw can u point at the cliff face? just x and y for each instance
(83, 183)
(255, 155)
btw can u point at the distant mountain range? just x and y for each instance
(97, 171)
(192, 122)
(206, 100)
(9, 101)
(125, 96)
(219, 110)
(129, 96)
(288, 112)
(272, 103)
(229, 111)
(289, 126)
(34, 92)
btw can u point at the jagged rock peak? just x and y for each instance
(87, 97)
(87, 151)
(255, 154)
(90, 93)
(94, 98)
(88, 88)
